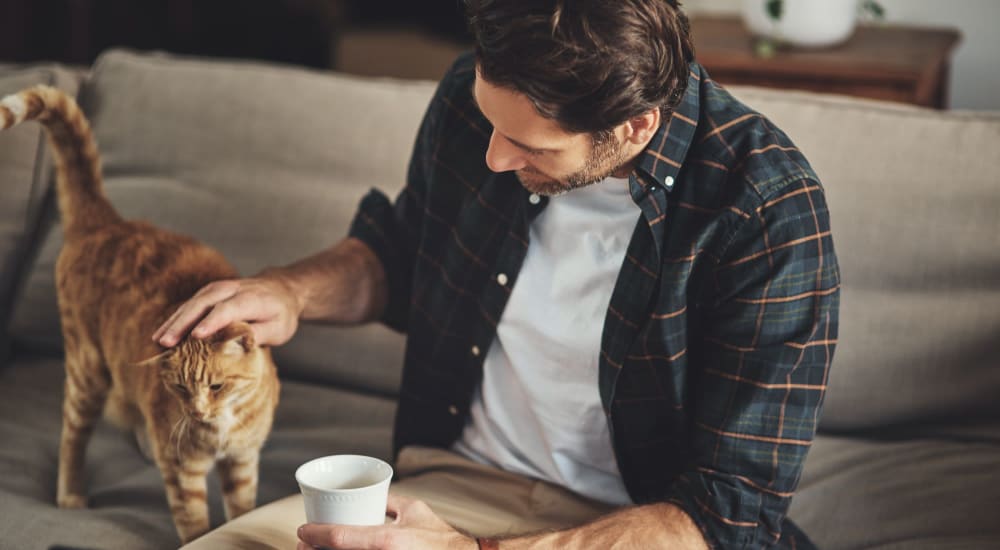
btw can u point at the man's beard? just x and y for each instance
(607, 157)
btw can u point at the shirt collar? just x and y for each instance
(663, 157)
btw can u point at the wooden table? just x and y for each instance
(895, 63)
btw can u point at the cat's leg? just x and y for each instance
(184, 480)
(85, 390)
(239, 483)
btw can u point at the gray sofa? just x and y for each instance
(267, 164)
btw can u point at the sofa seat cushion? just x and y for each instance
(907, 494)
(265, 163)
(25, 175)
(128, 507)
(918, 494)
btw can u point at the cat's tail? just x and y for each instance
(83, 205)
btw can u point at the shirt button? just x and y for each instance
(502, 279)
(453, 410)
(534, 198)
(475, 351)
(668, 182)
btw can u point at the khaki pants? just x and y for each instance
(476, 499)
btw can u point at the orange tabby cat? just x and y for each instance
(200, 404)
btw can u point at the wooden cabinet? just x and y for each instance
(895, 63)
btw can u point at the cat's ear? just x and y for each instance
(158, 359)
(236, 339)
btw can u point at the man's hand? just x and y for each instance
(344, 284)
(269, 304)
(414, 526)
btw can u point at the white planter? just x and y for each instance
(807, 23)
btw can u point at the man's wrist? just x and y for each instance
(285, 277)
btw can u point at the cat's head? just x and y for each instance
(207, 376)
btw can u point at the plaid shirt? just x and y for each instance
(721, 328)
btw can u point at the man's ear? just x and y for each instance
(158, 359)
(640, 129)
(236, 339)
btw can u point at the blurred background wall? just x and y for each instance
(76, 31)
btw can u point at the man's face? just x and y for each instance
(546, 159)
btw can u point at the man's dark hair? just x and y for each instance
(590, 65)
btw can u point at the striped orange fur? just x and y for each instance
(198, 405)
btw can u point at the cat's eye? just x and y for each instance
(215, 387)
(181, 388)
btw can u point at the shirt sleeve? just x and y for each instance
(760, 368)
(392, 230)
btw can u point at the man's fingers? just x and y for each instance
(193, 310)
(342, 537)
(179, 324)
(158, 335)
(222, 303)
(396, 503)
(220, 316)
(168, 326)
(408, 511)
(396, 500)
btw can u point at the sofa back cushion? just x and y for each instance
(25, 175)
(265, 163)
(914, 197)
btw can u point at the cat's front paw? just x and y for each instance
(72, 501)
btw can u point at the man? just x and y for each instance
(618, 285)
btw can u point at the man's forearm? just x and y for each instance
(344, 284)
(652, 526)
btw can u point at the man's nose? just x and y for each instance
(504, 156)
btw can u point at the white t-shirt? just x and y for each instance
(538, 411)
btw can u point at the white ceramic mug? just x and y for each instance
(345, 489)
